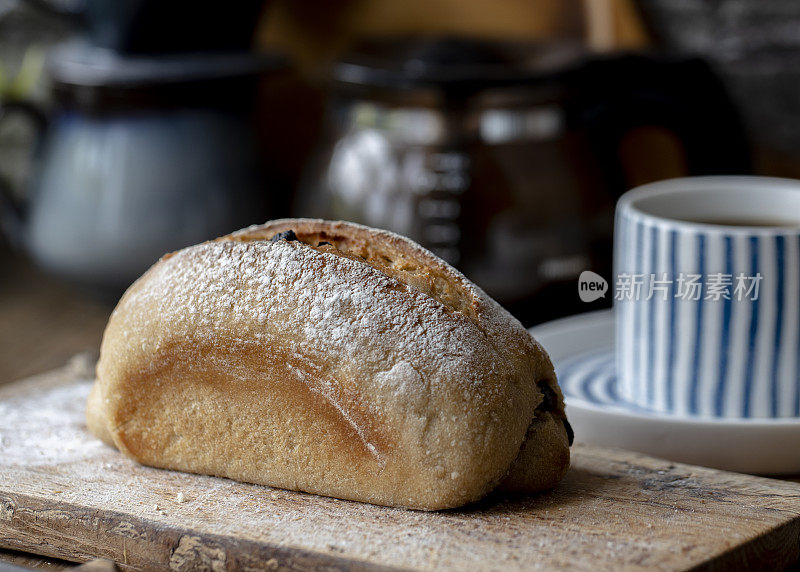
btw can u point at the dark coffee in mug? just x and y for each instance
(754, 222)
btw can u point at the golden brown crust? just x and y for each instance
(367, 369)
(393, 255)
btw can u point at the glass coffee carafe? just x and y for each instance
(503, 159)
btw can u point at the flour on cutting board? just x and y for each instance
(48, 430)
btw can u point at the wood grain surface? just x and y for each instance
(64, 494)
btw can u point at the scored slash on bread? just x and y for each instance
(335, 359)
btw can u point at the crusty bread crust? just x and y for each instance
(364, 369)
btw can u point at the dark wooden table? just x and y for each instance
(43, 321)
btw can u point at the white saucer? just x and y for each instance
(582, 349)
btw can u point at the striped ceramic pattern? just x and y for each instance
(710, 357)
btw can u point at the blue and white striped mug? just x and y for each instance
(707, 297)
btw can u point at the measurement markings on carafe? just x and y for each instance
(439, 179)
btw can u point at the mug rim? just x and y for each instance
(627, 203)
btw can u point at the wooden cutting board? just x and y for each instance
(64, 494)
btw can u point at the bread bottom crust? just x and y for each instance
(542, 461)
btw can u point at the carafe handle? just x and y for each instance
(615, 94)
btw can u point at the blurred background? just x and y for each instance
(497, 134)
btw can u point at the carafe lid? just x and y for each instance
(454, 63)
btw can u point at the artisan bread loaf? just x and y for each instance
(330, 358)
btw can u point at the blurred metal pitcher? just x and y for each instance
(142, 156)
